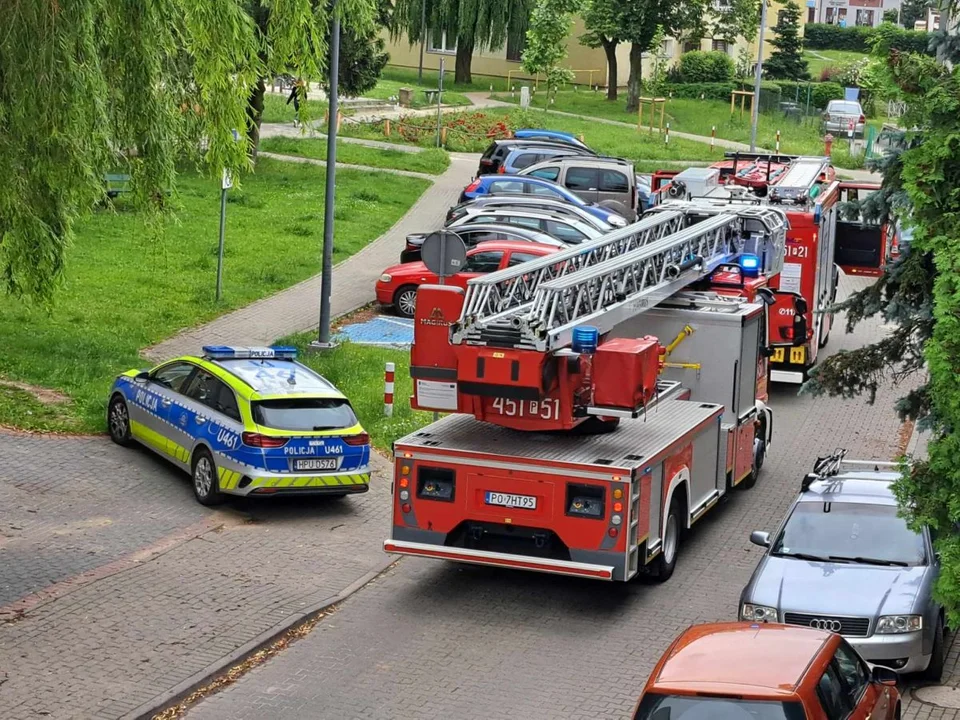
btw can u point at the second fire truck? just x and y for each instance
(598, 405)
(821, 241)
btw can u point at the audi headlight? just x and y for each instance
(385, 278)
(617, 221)
(758, 613)
(896, 624)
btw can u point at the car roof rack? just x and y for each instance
(835, 463)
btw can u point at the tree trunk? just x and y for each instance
(255, 115)
(610, 48)
(633, 83)
(464, 58)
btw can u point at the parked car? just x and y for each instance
(398, 284)
(536, 186)
(609, 182)
(744, 671)
(644, 193)
(570, 231)
(554, 135)
(840, 113)
(498, 149)
(522, 157)
(473, 235)
(844, 560)
(527, 202)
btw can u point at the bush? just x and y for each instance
(709, 91)
(817, 36)
(705, 67)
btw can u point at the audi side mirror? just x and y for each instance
(884, 675)
(758, 537)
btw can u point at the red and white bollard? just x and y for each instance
(713, 136)
(388, 390)
(778, 142)
(666, 136)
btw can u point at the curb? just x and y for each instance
(179, 692)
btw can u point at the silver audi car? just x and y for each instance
(843, 560)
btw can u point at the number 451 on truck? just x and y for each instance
(601, 400)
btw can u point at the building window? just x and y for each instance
(781, 15)
(666, 49)
(720, 46)
(865, 18)
(440, 42)
(515, 46)
(811, 15)
(691, 46)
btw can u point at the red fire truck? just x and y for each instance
(820, 240)
(598, 406)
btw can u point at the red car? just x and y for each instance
(398, 284)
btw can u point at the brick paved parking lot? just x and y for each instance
(434, 640)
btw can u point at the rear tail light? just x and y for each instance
(486, 161)
(359, 439)
(501, 170)
(472, 186)
(862, 119)
(436, 484)
(263, 441)
(585, 501)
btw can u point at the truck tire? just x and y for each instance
(759, 454)
(666, 561)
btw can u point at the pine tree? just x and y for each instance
(787, 61)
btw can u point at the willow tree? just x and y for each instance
(476, 25)
(90, 86)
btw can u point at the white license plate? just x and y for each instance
(526, 502)
(315, 464)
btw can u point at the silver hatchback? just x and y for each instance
(844, 560)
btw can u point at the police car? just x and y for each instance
(244, 421)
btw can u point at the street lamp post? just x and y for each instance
(756, 80)
(326, 276)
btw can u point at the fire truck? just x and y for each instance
(597, 405)
(821, 241)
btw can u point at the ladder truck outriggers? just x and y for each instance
(821, 240)
(598, 407)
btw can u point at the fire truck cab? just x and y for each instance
(599, 405)
(822, 240)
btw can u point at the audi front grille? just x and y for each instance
(846, 626)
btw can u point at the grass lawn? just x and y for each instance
(124, 290)
(609, 139)
(386, 89)
(432, 160)
(276, 110)
(698, 117)
(819, 60)
(431, 78)
(357, 370)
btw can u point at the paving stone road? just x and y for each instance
(434, 640)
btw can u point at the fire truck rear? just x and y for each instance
(599, 407)
(822, 239)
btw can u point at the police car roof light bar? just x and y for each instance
(229, 352)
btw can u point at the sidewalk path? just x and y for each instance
(298, 308)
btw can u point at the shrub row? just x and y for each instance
(771, 93)
(818, 36)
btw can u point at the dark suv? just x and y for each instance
(494, 155)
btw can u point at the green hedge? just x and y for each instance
(821, 93)
(705, 67)
(818, 36)
(771, 93)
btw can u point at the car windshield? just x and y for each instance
(304, 413)
(849, 532)
(655, 706)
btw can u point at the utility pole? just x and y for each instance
(326, 273)
(756, 80)
(423, 38)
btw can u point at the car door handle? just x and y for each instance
(201, 419)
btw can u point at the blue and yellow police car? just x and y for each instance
(244, 421)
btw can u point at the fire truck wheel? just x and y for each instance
(759, 454)
(667, 560)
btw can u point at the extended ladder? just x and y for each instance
(607, 293)
(504, 291)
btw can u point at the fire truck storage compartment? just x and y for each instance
(726, 344)
(517, 495)
(625, 372)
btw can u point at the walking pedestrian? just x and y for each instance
(295, 99)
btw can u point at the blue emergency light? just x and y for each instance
(228, 352)
(585, 339)
(750, 264)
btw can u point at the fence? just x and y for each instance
(520, 75)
